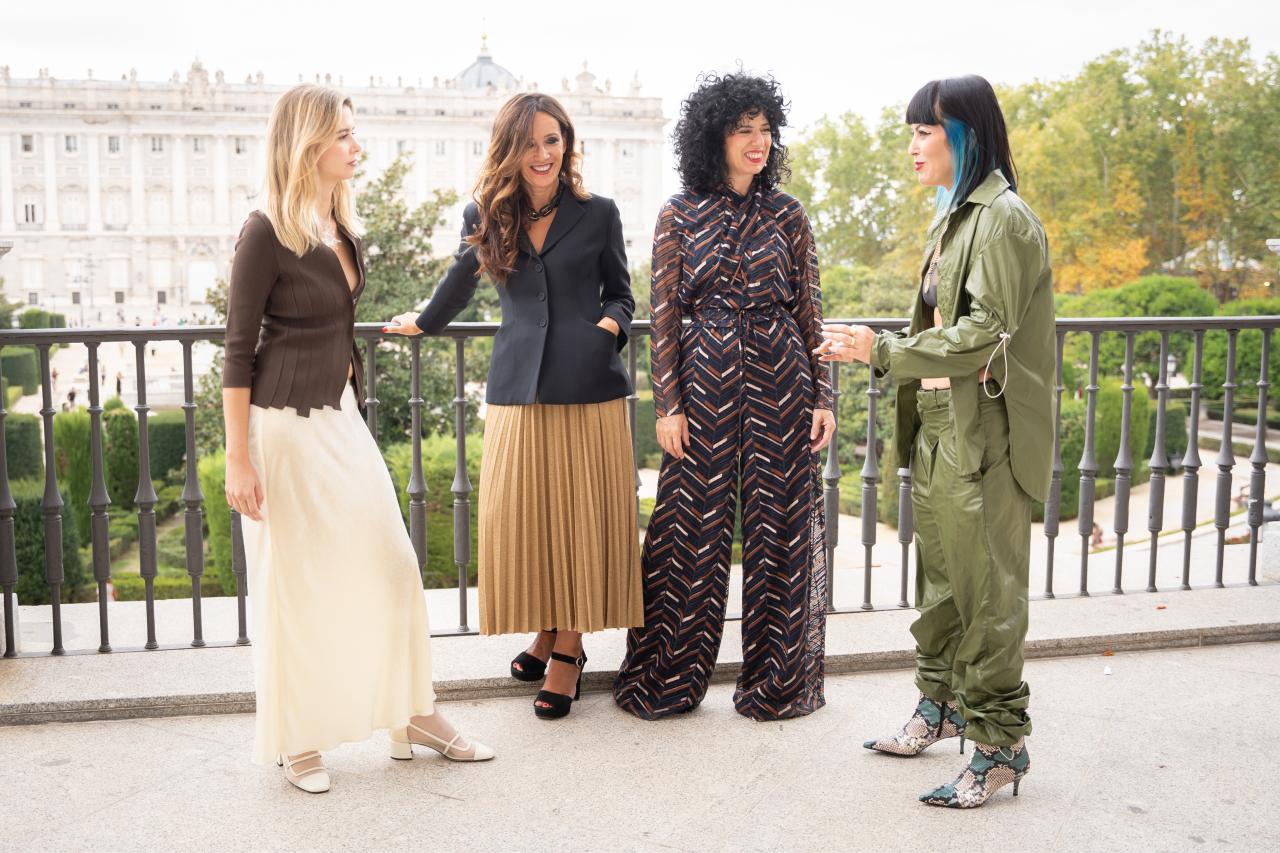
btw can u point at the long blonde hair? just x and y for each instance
(301, 128)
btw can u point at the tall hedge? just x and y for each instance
(1175, 431)
(71, 436)
(120, 445)
(28, 532)
(23, 447)
(438, 462)
(213, 478)
(1110, 410)
(21, 366)
(167, 441)
(35, 318)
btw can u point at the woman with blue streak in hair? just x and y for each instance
(974, 422)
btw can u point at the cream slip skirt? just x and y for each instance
(559, 543)
(340, 636)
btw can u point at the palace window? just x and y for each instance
(201, 209)
(75, 297)
(113, 145)
(28, 144)
(628, 149)
(160, 276)
(113, 106)
(161, 297)
(118, 273)
(33, 275)
(119, 297)
(586, 108)
(197, 145)
(361, 111)
(242, 145)
(26, 105)
(477, 149)
(440, 112)
(33, 298)
(442, 148)
(159, 205)
(157, 145)
(115, 209)
(477, 112)
(627, 114)
(402, 112)
(73, 209)
(68, 106)
(72, 144)
(29, 213)
(156, 107)
(402, 147)
(239, 109)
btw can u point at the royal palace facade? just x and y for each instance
(123, 197)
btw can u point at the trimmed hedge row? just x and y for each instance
(23, 447)
(21, 366)
(167, 442)
(28, 531)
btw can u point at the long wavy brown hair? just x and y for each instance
(504, 210)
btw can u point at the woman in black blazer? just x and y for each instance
(559, 542)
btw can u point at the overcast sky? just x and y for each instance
(830, 56)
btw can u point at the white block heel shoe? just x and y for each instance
(314, 780)
(402, 741)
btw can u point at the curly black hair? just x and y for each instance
(706, 117)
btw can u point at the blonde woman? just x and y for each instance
(341, 643)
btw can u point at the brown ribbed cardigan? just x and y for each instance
(291, 322)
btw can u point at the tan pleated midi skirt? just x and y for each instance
(559, 543)
(340, 636)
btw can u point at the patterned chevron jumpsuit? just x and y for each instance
(744, 270)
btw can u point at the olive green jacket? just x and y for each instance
(993, 277)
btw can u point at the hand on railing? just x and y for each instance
(403, 324)
(846, 343)
(673, 434)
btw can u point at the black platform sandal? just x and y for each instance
(531, 668)
(560, 704)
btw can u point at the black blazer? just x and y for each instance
(549, 348)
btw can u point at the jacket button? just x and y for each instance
(537, 267)
(542, 295)
(542, 322)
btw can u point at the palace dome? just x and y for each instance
(484, 72)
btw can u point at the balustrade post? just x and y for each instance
(1191, 464)
(370, 383)
(1159, 462)
(238, 569)
(193, 498)
(99, 500)
(906, 528)
(417, 488)
(461, 489)
(831, 489)
(8, 545)
(146, 500)
(51, 504)
(1258, 477)
(1226, 457)
(1088, 466)
(1052, 506)
(870, 480)
(1124, 463)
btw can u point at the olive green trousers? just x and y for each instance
(973, 553)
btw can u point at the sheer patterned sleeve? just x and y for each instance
(664, 343)
(807, 308)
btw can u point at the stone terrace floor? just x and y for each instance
(1175, 750)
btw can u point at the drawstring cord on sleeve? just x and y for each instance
(1003, 342)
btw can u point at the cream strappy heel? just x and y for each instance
(402, 745)
(313, 781)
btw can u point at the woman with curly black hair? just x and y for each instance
(742, 403)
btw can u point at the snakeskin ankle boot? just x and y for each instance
(989, 770)
(932, 722)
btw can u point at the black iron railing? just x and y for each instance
(460, 333)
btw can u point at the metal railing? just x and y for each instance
(460, 333)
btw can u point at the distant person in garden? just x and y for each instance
(559, 550)
(978, 357)
(743, 406)
(119, 383)
(341, 641)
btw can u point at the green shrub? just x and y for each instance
(21, 366)
(57, 321)
(71, 441)
(169, 501)
(167, 442)
(134, 588)
(28, 533)
(22, 446)
(120, 447)
(438, 463)
(213, 477)
(1175, 430)
(171, 548)
(35, 318)
(113, 404)
(1107, 426)
(648, 451)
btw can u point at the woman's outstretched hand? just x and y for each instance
(403, 324)
(673, 434)
(846, 343)
(824, 427)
